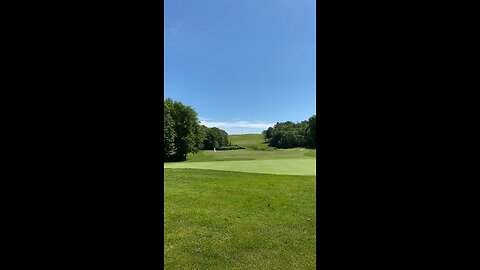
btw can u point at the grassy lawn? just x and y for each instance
(246, 154)
(311, 153)
(248, 140)
(303, 166)
(241, 209)
(231, 220)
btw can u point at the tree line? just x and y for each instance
(183, 133)
(289, 134)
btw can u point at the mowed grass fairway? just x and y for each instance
(296, 161)
(230, 220)
(248, 140)
(247, 154)
(274, 166)
(241, 209)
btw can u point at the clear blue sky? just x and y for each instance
(242, 64)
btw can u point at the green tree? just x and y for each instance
(223, 138)
(289, 134)
(215, 138)
(268, 133)
(188, 132)
(169, 132)
(311, 132)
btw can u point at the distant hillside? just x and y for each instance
(253, 143)
(248, 140)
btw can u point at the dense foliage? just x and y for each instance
(231, 147)
(311, 135)
(289, 134)
(268, 133)
(169, 131)
(214, 138)
(182, 131)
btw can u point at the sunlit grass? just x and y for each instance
(231, 220)
(248, 140)
(299, 166)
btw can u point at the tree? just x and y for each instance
(204, 131)
(267, 134)
(188, 132)
(200, 136)
(311, 132)
(215, 138)
(223, 138)
(169, 132)
(289, 134)
(285, 135)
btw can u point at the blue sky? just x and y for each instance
(242, 64)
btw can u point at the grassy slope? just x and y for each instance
(229, 220)
(296, 161)
(311, 153)
(248, 140)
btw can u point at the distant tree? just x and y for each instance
(200, 136)
(204, 131)
(311, 132)
(169, 132)
(267, 134)
(223, 138)
(215, 138)
(283, 135)
(210, 140)
(289, 134)
(300, 132)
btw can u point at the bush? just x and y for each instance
(231, 147)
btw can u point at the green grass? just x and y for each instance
(231, 220)
(247, 154)
(304, 166)
(296, 161)
(249, 141)
(241, 209)
(311, 153)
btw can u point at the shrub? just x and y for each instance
(231, 147)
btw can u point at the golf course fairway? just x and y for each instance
(305, 166)
(252, 208)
